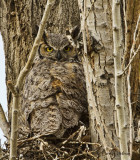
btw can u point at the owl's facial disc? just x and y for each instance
(45, 50)
(57, 54)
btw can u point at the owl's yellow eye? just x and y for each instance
(67, 49)
(49, 49)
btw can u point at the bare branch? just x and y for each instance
(29, 63)
(135, 38)
(128, 13)
(120, 102)
(12, 87)
(4, 125)
(81, 132)
(136, 34)
(14, 128)
(130, 111)
(136, 29)
(17, 89)
(131, 60)
(116, 123)
(78, 142)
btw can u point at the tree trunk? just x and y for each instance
(100, 25)
(19, 26)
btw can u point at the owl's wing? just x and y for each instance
(39, 103)
(72, 99)
(54, 97)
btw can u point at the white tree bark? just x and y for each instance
(94, 114)
(119, 92)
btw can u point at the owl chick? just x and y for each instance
(54, 95)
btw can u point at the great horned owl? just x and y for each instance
(54, 95)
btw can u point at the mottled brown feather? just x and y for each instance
(54, 96)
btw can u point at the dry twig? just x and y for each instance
(131, 60)
(70, 148)
(70, 137)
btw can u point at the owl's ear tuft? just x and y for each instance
(74, 32)
(45, 36)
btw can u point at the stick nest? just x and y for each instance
(74, 146)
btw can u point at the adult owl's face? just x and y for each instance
(56, 47)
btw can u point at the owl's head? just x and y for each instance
(57, 47)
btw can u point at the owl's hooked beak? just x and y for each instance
(58, 55)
